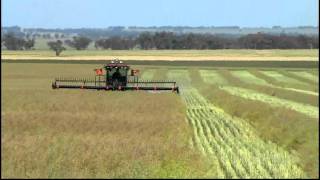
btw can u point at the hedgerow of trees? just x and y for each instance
(79, 43)
(169, 40)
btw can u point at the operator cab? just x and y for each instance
(116, 74)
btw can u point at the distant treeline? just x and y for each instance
(169, 40)
(135, 31)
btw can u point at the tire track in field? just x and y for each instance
(231, 142)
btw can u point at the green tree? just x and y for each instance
(79, 42)
(11, 42)
(56, 46)
(29, 43)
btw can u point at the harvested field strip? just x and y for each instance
(212, 77)
(284, 79)
(314, 72)
(254, 77)
(281, 93)
(247, 77)
(297, 77)
(285, 83)
(274, 84)
(231, 141)
(272, 123)
(308, 110)
(300, 91)
(281, 78)
(306, 75)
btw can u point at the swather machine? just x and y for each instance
(117, 77)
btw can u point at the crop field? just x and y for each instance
(168, 55)
(225, 123)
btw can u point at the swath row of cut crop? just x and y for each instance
(311, 111)
(251, 77)
(284, 79)
(271, 91)
(308, 110)
(307, 75)
(232, 142)
(248, 77)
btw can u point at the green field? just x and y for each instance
(225, 123)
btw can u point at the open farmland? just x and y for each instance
(226, 123)
(168, 55)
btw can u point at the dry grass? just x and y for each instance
(86, 134)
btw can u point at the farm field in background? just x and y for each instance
(226, 123)
(191, 55)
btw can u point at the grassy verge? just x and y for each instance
(289, 129)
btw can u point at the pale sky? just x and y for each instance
(104, 13)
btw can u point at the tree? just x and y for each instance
(13, 43)
(79, 42)
(29, 43)
(146, 41)
(169, 40)
(115, 42)
(56, 46)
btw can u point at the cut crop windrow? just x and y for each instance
(308, 110)
(307, 75)
(213, 77)
(282, 78)
(231, 141)
(247, 77)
